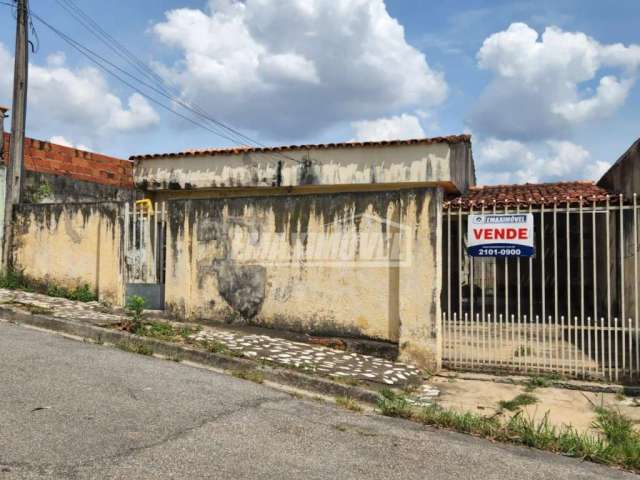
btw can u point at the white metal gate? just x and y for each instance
(572, 309)
(144, 242)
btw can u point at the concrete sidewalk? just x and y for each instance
(317, 359)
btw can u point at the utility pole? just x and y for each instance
(15, 169)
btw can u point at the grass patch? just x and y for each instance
(135, 347)
(214, 346)
(623, 441)
(348, 403)
(18, 280)
(541, 381)
(255, 376)
(519, 401)
(615, 442)
(537, 382)
(159, 330)
(186, 331)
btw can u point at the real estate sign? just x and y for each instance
(493, 235)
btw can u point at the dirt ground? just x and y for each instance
(568, 407)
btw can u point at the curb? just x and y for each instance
(282, 376)
(631, 391)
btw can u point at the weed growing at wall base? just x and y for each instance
(17, 280)
(615, 442)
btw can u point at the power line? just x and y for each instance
(90, 24)
(109, 41)
(96, 59)
(81, 50)
(124, 53)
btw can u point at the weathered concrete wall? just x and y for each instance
(446, 163)
(50, 188)
(72, 244)
(355, 264)
(624, 176)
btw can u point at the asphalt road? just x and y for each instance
(73, 410)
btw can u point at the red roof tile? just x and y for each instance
(321, 146)
(530, 194)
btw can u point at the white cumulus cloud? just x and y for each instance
(398, 127)
(511, 161)
(78, 102)
(543, 85)
(60, 140)
(291, 68)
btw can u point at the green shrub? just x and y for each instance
(15, 280)
(83, 294)
(135, 307)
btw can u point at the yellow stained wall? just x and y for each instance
(357, 264)
(71, 245)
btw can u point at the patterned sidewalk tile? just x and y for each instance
(89, 312)
(324, 360)
(311, 358)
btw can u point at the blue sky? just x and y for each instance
(547, 88)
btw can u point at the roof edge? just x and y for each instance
(465, 138)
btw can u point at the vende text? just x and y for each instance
(500, 233)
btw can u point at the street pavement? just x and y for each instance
(72, 410)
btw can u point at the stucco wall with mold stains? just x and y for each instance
(361, 264)
(443, 163)
(72, 244)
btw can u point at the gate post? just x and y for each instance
(420, 339)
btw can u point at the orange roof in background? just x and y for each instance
(319, 146)
(530, 194)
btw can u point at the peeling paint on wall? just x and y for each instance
(72, 245)
(219, 272)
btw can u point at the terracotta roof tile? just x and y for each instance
(531, 194)
(320, 146)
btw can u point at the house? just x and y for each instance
(293, 205)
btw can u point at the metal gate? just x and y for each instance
(145, 247)
(571, 309)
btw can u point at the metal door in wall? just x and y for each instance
(572, 309)
(145, 247)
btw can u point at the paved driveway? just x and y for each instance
(73, 410)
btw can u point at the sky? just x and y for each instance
(548, 89)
